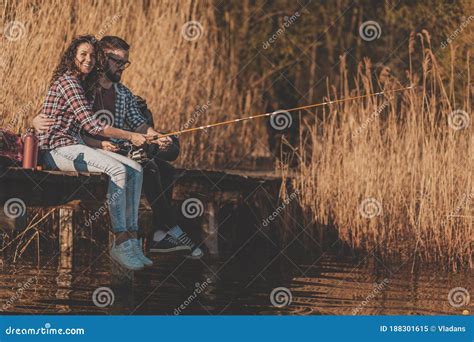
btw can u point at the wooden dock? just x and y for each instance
(71, 191)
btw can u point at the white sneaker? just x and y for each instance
(125, 254)
(197, 253)
(139, 252)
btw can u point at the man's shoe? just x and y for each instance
(168, 244)
(139, 252)
(126, 256)
(196, 252)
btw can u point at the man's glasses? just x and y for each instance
(119, 62)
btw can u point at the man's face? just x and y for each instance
(117, 61)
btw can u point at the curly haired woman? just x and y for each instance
(69, 103)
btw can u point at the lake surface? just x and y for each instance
(240, 282)
(275, 269)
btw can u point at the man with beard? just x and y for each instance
(115, 100)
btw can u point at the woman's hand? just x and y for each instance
(108, 146)
(41, 123)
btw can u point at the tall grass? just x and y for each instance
(392, 173)
(186, 82)
(396, 151)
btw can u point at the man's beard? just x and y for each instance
(114, 77)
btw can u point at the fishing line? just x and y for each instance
(278, 112)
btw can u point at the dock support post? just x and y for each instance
(66, 236)
(210, 228)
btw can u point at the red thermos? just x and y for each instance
(30, 149)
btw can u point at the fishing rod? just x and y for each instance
(281, 111)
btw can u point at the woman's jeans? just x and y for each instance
(125, 184)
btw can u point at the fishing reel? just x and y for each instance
(133, 152)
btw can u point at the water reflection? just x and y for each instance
(230, 285)
(64, 288)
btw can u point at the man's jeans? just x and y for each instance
(125, 185)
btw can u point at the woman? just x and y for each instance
(69, 102)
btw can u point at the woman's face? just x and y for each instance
(85, 58)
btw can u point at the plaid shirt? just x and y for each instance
(67, 103)
(128, 115)
(127, 112)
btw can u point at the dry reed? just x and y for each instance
(401, 154)
(394, 174)
(185, 70)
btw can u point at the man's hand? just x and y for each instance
(41, 123)
(138, 139)
(152, 137)
(162, 142)
(109, 146)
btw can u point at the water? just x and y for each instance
(255, 273)
(238, 282)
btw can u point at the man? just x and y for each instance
(115, 98)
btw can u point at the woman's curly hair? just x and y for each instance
(67, 64)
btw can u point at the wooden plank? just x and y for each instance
(41, 175)
(96, 177)
(265, 175)
(51, 188)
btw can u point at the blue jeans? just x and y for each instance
(125, 184)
